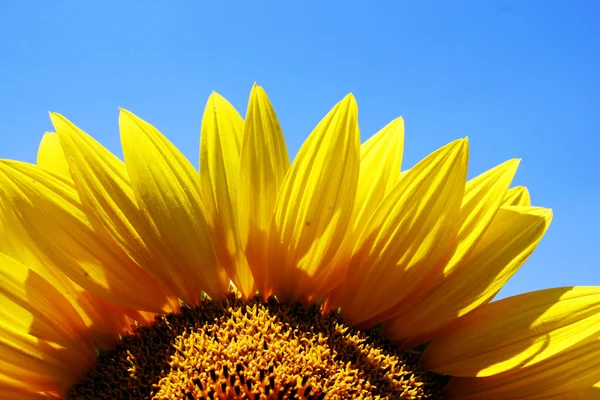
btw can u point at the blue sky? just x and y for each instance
(520, 78)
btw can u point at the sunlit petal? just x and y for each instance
(167, 190)
(315, 204)
(263, 165)
(516, 332)
(220, 148)
(406, 234)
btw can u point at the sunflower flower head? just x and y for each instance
(337, 275)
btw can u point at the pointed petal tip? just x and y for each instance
(460, 145)
(397, 122)
(349, 103)
(395, 127)
(215, 97)
(546, 213)
(57, 118)
(212, 96)
(349, 98)
(254, 90)
(464, 145)
(126, 117)
(126, 113)
(512, 164)
(257, 92)
(517, 162)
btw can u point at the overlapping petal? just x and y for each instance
(482, 198)
(109, 204)
(474, 280)
(263, 165)
(380, 162)
(51, 156)
(53, 221)
(87, 242)
(315, 203)
(43, 341)
(497, 240)
(569, 374)
(516, 332)
(517, 196)
(405, 236)
(167, 190)
(105, 319)
(221, 140)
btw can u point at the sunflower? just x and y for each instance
(334, 276)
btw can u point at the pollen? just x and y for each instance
(256, 349)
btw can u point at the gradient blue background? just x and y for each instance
(520, 78)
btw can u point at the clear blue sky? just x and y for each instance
(520, 78)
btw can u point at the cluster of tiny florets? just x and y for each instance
(255, 349)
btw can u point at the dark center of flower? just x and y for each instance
(255, 349)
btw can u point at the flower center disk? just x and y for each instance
(256, 349)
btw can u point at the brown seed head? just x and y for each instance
(255, 350)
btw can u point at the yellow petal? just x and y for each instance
(50, 212)
(517, 196)
(381, 159)
(517, 332)
(264, 163)
(220, 147)
(380, 162)
(109, 202)
(43, 341)
(315, 203)
(32, 305)
(475, 279)
(104, 320)
(51, 156)
(167, 190)
(406, 234)
(483, 197)
(27, 362)
(569, 374)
